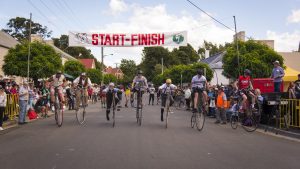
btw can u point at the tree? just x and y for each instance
(213, 49)
(19, 28)
(74, 68)
(44, 61)
(254, 56)
(185, 71)
(78, 52)
(109, 78)
(95, 75)
(129, 69)
(152, 56)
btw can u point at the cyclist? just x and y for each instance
(242, 83)
(58, 81)
(199, 84)
(139, 82)
(82, 82)
(110, 91)
(167, 88)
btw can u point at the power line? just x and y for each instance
(216, 20)
(39, 11)
(73, 13)
(210, 16)
(52, 11)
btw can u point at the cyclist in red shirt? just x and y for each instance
(244, 82)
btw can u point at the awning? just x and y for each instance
(290, 75)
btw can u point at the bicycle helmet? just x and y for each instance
(247, 72)
(58, 72)
(111, 84)
(200, 72)
(83, 74)
(168, 81)
(140, 72)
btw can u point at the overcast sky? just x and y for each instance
(277, 20)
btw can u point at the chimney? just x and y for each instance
(206, 54)
(240, 36)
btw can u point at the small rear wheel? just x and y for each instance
(234, 121)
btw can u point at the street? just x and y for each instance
(95, 145)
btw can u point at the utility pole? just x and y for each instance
(237, 45)
(102, 65)
(29, 38)
(162, 65)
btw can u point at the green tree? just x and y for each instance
(19, 28)
(254, 56)
(185, 71)
(95, 75)
(109, 78)
(74, 68)
(129, 69)
(44, 61)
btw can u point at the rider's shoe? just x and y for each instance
(194, 110)
(162, 115)
(107, 115)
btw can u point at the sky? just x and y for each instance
(277, 20)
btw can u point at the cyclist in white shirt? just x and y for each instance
(58, 81)
(167, 88)
(151, 92)
(81, 82)
(199, 84)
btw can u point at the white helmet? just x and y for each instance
(111, 84)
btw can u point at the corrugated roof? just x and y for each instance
(291, 59)
(63, 54)
(7, 41)
(88, 63)
(215, 61)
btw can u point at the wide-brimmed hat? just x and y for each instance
(276, 62)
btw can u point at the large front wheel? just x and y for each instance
(249, 124)
(200, 120)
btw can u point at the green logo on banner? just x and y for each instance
(178, 38)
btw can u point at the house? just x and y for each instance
(292, 62)
(88, 63)
(114, 71)
(64, 56)
(6, 42)
(215, 63)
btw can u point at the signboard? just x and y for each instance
(128, 39)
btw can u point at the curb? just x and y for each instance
(279, 132)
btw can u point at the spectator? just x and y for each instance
(277, 75)
(187, 97)
(151, 96)
(221, 105)
(14, 89)
(127, 95)
(90, 92)
(291, 90)
(233, 108)
(212, 102)
(297, 87)
(23, 97)
(3, 101)
(31, 95)
(42, 106)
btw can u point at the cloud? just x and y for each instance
(156, 19)
(285, 42)
(294, 17)
(117, 6)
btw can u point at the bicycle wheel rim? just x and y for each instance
(193, 120)
(167, 117)
(200, 119)
(234, 122)
(80, 116)
(114, 121)
(249, 124)
(60, 118)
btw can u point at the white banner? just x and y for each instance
(128, 40)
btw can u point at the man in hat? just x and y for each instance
(58, 81)
(23, 101)
(82, 82)
(277, 75)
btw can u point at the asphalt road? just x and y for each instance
(96, 145)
